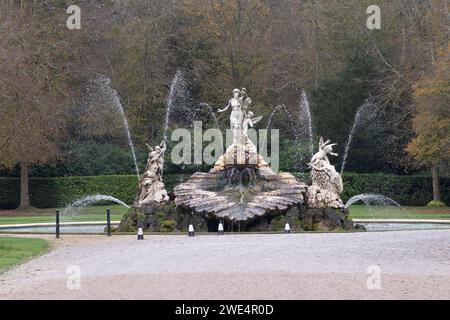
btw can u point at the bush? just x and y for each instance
(9, 193)
(406, 190)
(435, 203)
(58, 192)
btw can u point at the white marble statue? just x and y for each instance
(239, 104)
(151, 186)
(326, 181)
(242, 151)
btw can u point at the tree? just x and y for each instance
(431, 123)
(37, 55)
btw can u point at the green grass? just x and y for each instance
(98, 213)
(94, 213)
(14, 251)
(379, 212)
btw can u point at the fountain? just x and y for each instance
(305, 110)
(298, 128)
(73, 207)
(105, 86)
(179, 99)
(211, 112)
(372, 199)
(364, 112)
(241, 189)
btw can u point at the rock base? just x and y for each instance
(156, 217)
(170, 218)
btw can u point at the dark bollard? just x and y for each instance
(140, 235)
(287, 228)
(140, 231)
(220, 228)
(57, 224)
(191, 231)
(108, 222)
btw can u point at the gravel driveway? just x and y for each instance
(412, 265)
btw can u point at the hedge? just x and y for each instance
(58, 192)
(408, 190)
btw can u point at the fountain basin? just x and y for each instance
(98, 227)
(239, 194)
(91, 227)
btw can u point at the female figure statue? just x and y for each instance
(236, 117)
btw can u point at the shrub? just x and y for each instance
(407, 190)
(435, 203)
(168, 225)
(9, 193)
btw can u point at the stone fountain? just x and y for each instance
(241, 189)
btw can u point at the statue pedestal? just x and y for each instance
(240, 156)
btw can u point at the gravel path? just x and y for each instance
(413, 265)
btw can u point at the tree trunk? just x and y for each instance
(435, 175)
(24, 192)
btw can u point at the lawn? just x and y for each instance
(94, 213)
(98, 213)
(380, 212)
(14, 251)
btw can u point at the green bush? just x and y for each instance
(168, 225)
(435, 203)
(407, 190)
(58, 192)
(9, 193)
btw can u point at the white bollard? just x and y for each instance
(220, 229)
(140, 235)
(287, 228)
(191, 231)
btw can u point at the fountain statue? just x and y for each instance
(242, 152)
(241, 186)
(326, 181)
(241, 189)
(151, 186)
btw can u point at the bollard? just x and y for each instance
(140, 234)
(191, 231)
(220, 229)
(57, 224)
(287, 228)
(108, 222)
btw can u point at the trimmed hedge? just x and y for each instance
(58, 192)
(9, 193)
(410, 190)
(406, 190)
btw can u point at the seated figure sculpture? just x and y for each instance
(151, 186)
(326, 181)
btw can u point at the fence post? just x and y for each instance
(108, 222)
(57, 224)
